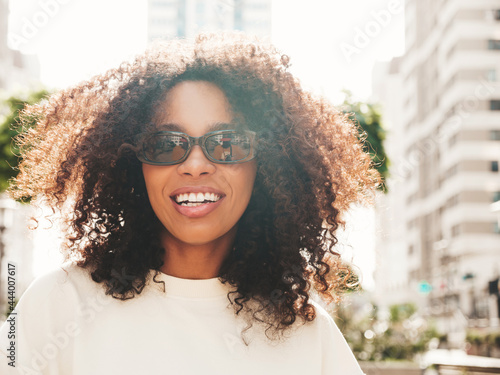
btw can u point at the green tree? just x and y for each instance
(400, 337)
(10, 128)
(367, 116)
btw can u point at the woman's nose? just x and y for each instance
(196, 164)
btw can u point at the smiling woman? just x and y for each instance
(202, 189)
(197, 232)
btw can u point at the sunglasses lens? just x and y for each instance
(165, 148)
(229, 146)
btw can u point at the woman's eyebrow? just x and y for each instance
(171, 127)
(221, 126)
(211, 128)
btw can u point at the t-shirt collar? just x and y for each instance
(192, 288)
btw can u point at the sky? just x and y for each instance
(333, 45)
(75, 39)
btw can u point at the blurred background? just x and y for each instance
(420, 77)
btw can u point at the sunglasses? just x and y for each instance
(221, 146)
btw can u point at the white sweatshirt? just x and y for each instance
(65, 324)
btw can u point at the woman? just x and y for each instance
(182, 259)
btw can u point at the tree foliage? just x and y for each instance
(369, 120)
(9, 129)
(399, 336)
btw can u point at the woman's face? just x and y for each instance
(196, 108)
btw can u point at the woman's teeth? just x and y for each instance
(196, 199)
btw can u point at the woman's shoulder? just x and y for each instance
(62, 283)
(338, 357)
(67, 271)
(324, 328)
(323, 316)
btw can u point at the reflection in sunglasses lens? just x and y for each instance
(165, 148)
(228, 147)
(169, 148)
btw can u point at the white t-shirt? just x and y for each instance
(67, 325)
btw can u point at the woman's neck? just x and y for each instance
(195, 261)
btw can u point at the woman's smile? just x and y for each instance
(198, 200)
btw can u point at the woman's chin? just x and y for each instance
(201, 235)
(196, 237)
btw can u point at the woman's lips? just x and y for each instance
(198, 211)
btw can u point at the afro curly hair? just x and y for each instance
(80, 159)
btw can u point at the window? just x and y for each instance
(451, 51)
(496, 196)
(494, 44)
(496, 14)
(181, 19)
(495, 135)
(200, 14)
(410, 249)
(412, 223)
(494, 166)
(495, 105)
(452, 140)
(452, 201)
(238, 16)
(412, 198)
(451, 171)
(200, 8)
(496, 228)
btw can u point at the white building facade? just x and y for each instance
(18, 72)
(394, 257)
(445, 170)
(185, 18)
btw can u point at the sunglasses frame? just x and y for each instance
(194, 141)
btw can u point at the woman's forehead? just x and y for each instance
(195, 107)
(191, 98)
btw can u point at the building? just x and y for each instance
(185, 18)
(16, 249)
(17, 72)
(394, 258)
(446, 149)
